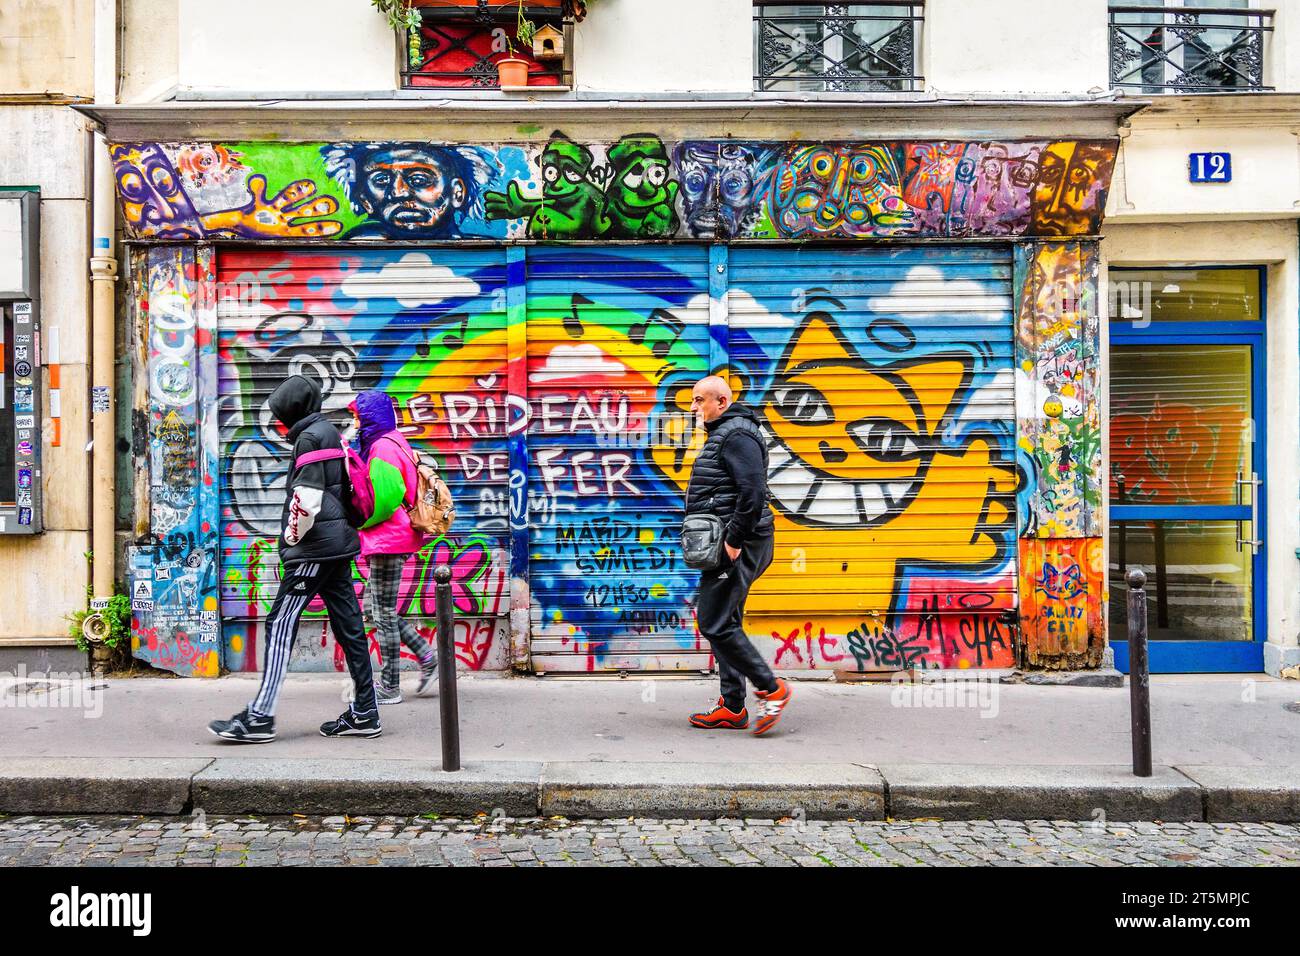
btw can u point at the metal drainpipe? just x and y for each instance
(103, 275)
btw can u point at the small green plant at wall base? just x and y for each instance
(118, 616)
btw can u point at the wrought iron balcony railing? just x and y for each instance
(1188, 49)
(836, 47)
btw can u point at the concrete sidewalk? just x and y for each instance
(1226, 746)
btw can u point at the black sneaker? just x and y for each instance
(245, 728)
(351, 724)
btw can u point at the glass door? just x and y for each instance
(1186, 465)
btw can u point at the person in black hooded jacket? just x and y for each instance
(729, 480)
(317, 545)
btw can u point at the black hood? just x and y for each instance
(294, 399)
(736, 410)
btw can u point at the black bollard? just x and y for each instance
(447, 671)
(1139, 676)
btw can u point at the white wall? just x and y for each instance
(150, 50)
(1151, 178)
(679, 45)
(987, 46)
(285, 45)
(1274, 244)
(1008, 46)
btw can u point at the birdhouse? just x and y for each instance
(548, 43)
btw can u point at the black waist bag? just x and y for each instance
(702, 539)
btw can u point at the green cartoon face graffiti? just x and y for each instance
(641, 196)
(571, 204)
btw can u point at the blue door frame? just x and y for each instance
(1209, 656)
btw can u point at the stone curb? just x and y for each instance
(710, 791)
(97, 785)
(237, 785)
(1248, 794)
(397, 786)
(992, 792)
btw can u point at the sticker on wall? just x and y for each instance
(142, 595)
(24, 477)
(23, 399)
(23, 370)
(25, 498)
(21, 353)
(25, 421)
(25, 449)
(99, 399)
(99, 604)
(24, 515)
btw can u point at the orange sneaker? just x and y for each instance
(720, 717)
(771, 703)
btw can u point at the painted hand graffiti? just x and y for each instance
(161, 203)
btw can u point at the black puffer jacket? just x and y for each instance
(730, 476)
(296, 403)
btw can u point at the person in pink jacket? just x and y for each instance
(388, 540)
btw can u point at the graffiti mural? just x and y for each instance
(1057, 342)
(638, 187)
(1061, 602)
(879, 420)
(172, 575)
(418, 329)
(553, 388)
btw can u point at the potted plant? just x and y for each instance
(105, 634)
(512, 71)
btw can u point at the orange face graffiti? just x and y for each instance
(1070, 193)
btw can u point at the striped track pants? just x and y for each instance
(332, 580)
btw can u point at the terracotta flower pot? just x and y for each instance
(512, 71)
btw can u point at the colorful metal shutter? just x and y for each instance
(884, 379)
(615, 336)
(428, 327)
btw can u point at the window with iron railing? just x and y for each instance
(1195, 47)
(837, 47)
(459, 43)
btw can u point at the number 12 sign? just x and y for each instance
(1209, 167)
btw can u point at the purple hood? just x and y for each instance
(378, 417)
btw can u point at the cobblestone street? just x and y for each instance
(484, 841)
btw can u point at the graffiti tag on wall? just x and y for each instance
(173, 575)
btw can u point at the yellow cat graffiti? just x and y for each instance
(862, 483)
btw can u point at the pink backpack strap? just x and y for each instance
(325, 454)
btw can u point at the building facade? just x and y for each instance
(46, 63)
(1003, 348)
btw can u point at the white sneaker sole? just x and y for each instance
(355, 733)
(247, 739)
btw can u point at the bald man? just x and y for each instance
(729, 479)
